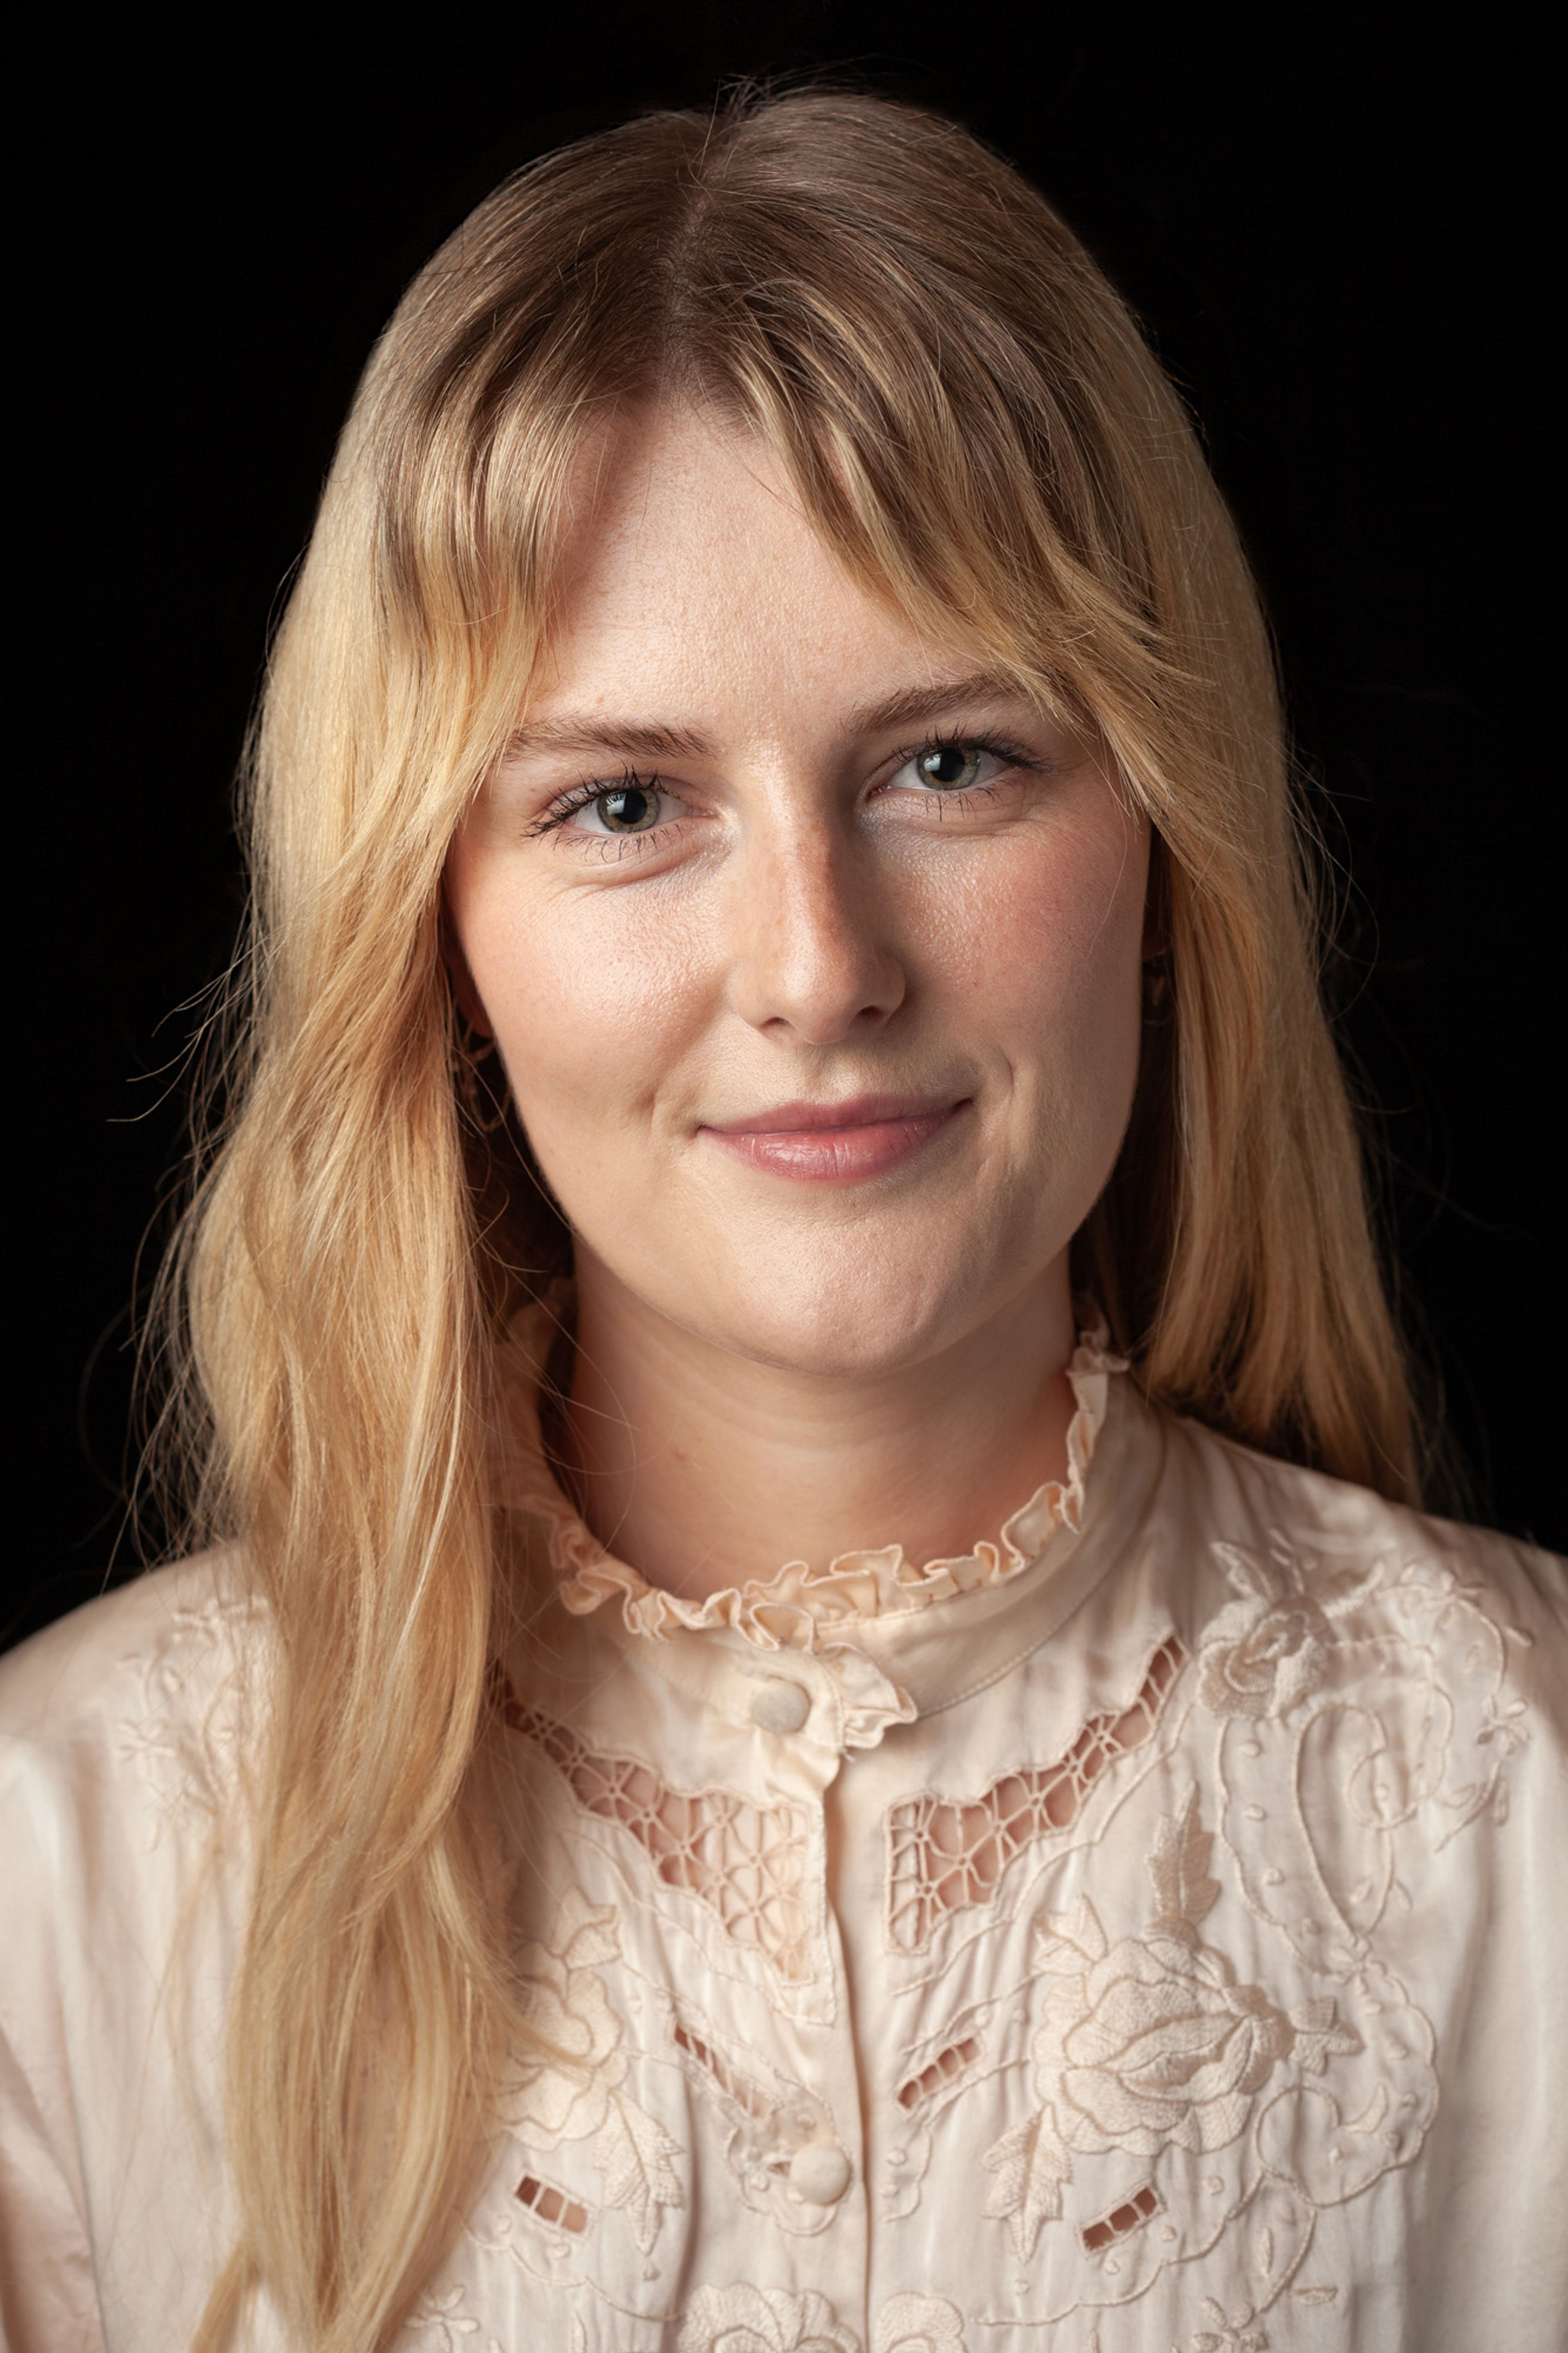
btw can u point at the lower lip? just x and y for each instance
(838, 1155)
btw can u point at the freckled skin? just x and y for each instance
(771, 1366)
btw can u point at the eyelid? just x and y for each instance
(582, 795)
(969, 739)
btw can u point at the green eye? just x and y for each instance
(628, 809)
(950, 768)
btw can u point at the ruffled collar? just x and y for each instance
(799, 1608)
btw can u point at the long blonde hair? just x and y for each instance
(979, 431)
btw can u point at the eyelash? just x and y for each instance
(566, 804)
(563, 809)
(954, 739)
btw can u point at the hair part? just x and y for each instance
(975, 426)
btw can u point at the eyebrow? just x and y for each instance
(917, 702)
(583, 732)
(574, 733)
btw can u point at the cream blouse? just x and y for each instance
(1149, 1931)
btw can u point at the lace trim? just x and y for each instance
(946, 1856)
(799, 1608)
(746, 1863)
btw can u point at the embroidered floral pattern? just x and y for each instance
(187, 1738)
(1146, 2043)
(1266, 1652)
(1409, 1738)
(1230, 2332)
(770, 2320)
(768, 2117)
(447, 2318)
(581, 2094)
(920, 2323)
(763, 2320)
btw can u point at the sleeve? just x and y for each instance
(122, 1894)
(48, 2291)
(1493, 2262)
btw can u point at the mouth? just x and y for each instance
(844, 1142)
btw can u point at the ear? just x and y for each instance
(470, 1005)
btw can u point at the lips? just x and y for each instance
(845, 1142)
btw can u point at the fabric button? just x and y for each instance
(819, 2172)
(780, 1705)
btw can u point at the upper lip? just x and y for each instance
(859, 1111)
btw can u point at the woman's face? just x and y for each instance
(813, 957)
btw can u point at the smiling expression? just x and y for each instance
(812, 953)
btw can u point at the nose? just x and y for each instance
(810, 955)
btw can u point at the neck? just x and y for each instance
(705, 1468)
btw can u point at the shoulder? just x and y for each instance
(134, 1678)
(125, 1734)
(1271, 1544)
(1234, 1491)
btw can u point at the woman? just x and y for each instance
(782, 1028)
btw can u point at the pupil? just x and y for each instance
(627, 809)
(950, 764)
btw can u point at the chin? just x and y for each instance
(844, 1329)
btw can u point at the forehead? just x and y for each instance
(692, 571)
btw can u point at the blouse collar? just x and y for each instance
(878, 1638)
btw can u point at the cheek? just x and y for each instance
(1049, 943)
(588, 1016)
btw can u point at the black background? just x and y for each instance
(1334, 234)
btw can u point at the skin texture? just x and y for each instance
(793, 1343)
